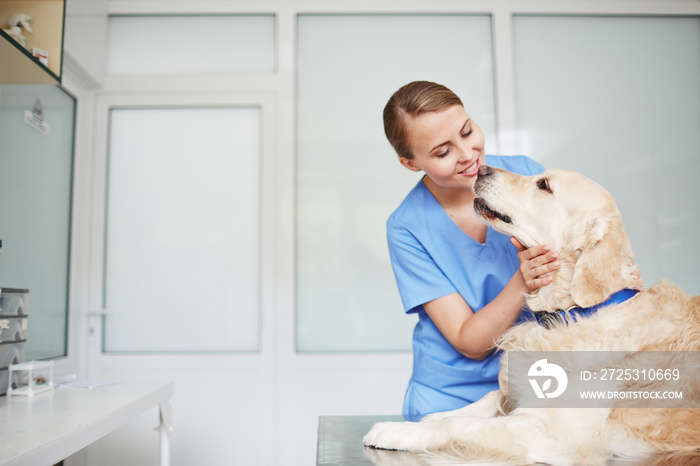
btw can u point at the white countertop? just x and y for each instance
(50, 426)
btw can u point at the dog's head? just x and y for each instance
(570, 213)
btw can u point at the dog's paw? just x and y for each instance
(438, 416)
(404, 436)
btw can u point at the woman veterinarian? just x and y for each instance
(465, 281)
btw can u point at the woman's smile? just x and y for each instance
(471, 170)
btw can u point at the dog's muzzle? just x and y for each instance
(483, 209)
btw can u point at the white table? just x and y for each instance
(51, 426)
(340, 444)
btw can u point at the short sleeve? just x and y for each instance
(417, 275)
(532, 167)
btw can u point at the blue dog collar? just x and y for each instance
(549, 319)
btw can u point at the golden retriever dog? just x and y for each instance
(579, 219)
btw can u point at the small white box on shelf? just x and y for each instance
(41, 55)
(34, 377)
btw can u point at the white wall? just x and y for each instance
(85, 39)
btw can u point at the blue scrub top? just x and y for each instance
(432, 257)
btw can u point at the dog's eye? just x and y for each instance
(543, 184)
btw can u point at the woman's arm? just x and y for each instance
(473, 334)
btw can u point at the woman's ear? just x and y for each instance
(409, 163)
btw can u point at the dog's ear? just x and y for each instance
(587, 233)
(596, 272)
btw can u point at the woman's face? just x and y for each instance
(447, 145)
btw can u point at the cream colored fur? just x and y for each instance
(579, 219)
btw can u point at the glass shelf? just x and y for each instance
(19, 66)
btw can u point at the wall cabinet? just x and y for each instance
(19, 66)
(36, 180)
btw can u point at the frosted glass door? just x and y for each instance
(349, 179)
(181, 256)
(618, 99)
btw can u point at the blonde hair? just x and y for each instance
(411, 100)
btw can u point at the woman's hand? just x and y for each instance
(536, 264)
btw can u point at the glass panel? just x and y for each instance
(36, 170)
(182, 230)
(349, 179)
(191, 44)
(618, 100)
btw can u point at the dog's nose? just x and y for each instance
(485, 170)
